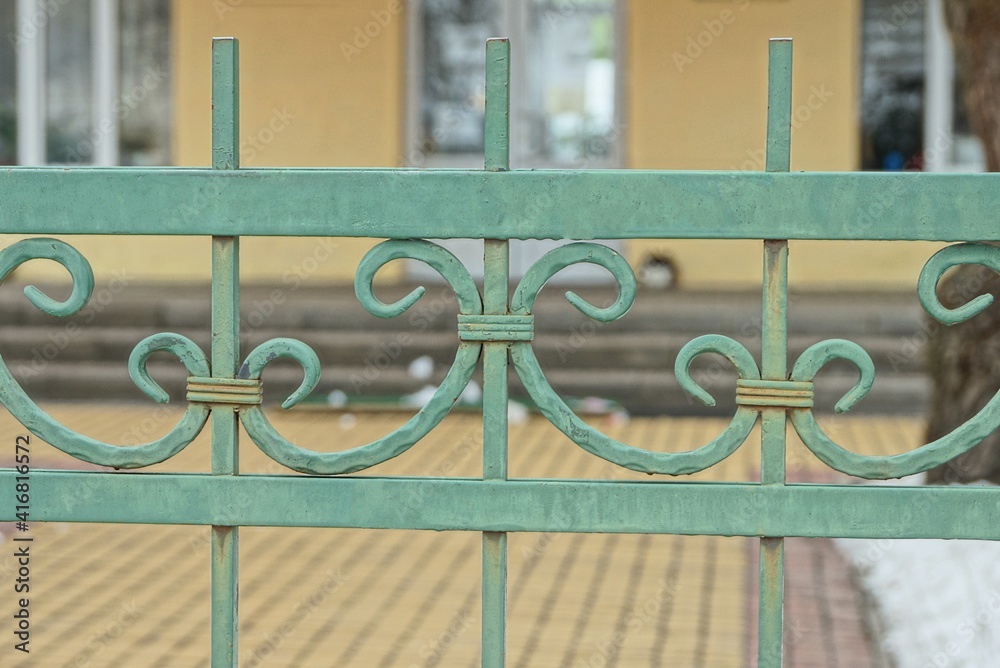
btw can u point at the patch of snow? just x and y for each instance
(938, 601)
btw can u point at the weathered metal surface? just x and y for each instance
(774, 357)
(579, 506)
(632, 457)
(774, 393)
(224, 391)
(496, 326)
(517, 204)
(496, 279)
(942, 261)
(83, 447)
(225, 354)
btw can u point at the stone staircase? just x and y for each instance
(629, 361)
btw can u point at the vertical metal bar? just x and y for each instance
(774, 355)
(496, 263)
(225, 353)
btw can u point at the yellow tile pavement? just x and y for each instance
(137, 596)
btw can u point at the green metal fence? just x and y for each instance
(406, 206)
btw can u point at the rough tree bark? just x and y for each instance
(964, 359)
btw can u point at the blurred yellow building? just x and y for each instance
(636, 84)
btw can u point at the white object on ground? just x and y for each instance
(595, 405)
(472, 394)
(337, 399)
(421, 368)
(619, 418)
(348, 421)
(420, 398)
(517, 413)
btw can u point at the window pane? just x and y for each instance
(454, 71)
(144, 88)
(8, 85)
(69, 84)
(967, 149)
(571, 83)
(892, 85)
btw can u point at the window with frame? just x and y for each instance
(565, 99)
(950, 144)
(912, 113)
(85, 82)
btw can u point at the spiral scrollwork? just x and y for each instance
(47, 428)
(795, 394)
(355, 459)
(743, 421)
(562, 257)
(932, 454)
(556, 410)
(941, 262)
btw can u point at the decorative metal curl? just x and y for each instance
(735, 434)
(732, 350)
(564, 256)
(47, 428)
(290, 349)
(932, 454)
(301, 459)
(433, 255)
(819, 354)
(942, 261)
(564, 419)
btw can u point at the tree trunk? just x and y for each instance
(964, 359)
(964, 364)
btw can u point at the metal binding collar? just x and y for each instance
(240, 391)
(496, 327)
(774, 393)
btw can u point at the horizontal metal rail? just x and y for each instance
(538, 204)
(589, 506)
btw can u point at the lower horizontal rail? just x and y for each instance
(444, 504)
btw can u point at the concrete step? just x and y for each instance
(631, 360)
(37, 346)
(337, 308)
(640, 392)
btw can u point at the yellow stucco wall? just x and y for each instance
(305, 101)
(696, 98)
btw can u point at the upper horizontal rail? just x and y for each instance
(589, 204)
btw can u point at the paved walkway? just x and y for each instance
(137, 596)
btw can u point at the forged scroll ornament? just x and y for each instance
(932, 454)
(301, 459)
(88, 449)
(560, 415)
